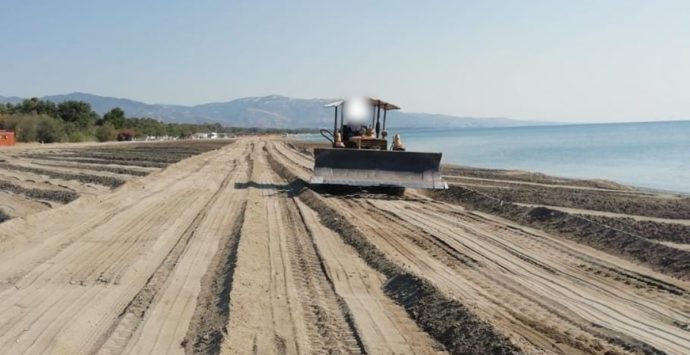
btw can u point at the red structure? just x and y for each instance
(6, 138)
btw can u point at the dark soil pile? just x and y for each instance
(151, 154)
(670, 232)
(608, 201)
(525, 176)
(108, 181)
(116, 170)
(613, 197)
(445, 319)
(636, 248)
(453, 325)
(72, 158)
(124, 155)
(62, 196)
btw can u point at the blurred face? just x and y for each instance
(357, 110)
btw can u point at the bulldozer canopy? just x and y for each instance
(372, 100)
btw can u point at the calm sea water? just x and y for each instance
(652, 155)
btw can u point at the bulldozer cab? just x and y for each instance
(360, 154)
(360, 134)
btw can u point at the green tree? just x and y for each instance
(24, 127)
(37, 106)
(115, 117)
(48, 129)
(77, 112)
(73, 133)
(106, 132)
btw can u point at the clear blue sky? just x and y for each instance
(579, 60)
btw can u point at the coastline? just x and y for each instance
(524, 239)
(652, 156)
(302, 143)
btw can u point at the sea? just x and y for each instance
(653, 155)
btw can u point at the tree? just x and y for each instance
(25, 127)
(115, 117)
(106, 132)
(37, 106)
(77, 112)
(48, 130)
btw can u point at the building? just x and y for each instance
(6, 138)
(200, 135)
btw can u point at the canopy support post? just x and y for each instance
(378, 120)
(384, 119)
(335, 121)
(373, 117)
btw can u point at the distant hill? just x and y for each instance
(11, 99)
(269, 112)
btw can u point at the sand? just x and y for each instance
(228, 252)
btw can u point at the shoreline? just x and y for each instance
(490, 262)
(643, 189)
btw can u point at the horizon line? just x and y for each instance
(547, 122)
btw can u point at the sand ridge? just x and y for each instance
(229, 252)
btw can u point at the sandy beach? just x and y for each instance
(222, 247)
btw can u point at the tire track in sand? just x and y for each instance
(279, 303)
(540, 287)
(383, 325)
(544, 292)
(157, 319)
(56, 316)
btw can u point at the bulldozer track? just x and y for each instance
(132, 316)
(578, 299)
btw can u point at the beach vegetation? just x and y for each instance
(38, 120)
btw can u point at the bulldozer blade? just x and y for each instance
(364, 167)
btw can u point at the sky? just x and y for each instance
(570, 61)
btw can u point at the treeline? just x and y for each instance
(36, 120)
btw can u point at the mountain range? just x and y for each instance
(272, 111)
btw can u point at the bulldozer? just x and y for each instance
(361, 156)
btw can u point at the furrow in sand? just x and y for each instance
(59, 276)
(131, 317)
(544, 292)
(685, 222)
(448, 321)
(279, 303)
(75, 265)
(30, 242)
(89, 260)
(219, 253)
(52, 314)
(554, 282)
(383, 325)
(207, 327)
(564, 282)
(157, 319)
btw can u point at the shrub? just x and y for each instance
(78, 136)
(33, 127)
(48, 130)
(25, 127)
(106, 132)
